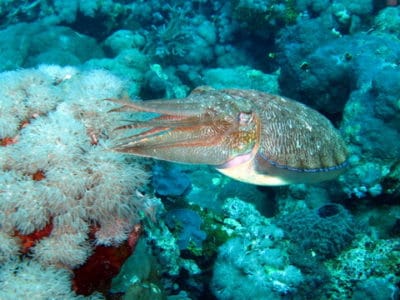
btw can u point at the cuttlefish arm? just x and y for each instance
(248, 135)
(196, 132)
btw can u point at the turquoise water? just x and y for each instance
(81, 219)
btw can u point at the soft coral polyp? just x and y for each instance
(29, 240)
(7, 141)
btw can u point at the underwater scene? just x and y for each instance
(189, 150)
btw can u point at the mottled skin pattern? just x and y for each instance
(246, 134)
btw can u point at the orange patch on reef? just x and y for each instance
(104, 264)
(29, 240)
(38, 175)
(7, 141)
(25, 123)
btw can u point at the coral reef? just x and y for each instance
(324, 231)
(30, 279)
(104, 264)
(187, 224)
(379, 288)
(31, 44)
(368, 267)
(58, 180)
(72, 211)
(252, 264)
(351, 85)
(388, 20)
(241, 77)
(170, 180)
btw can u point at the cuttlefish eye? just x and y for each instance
(245, 118)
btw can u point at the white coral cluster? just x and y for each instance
(31, 280)
(58, 123)
(254, 263)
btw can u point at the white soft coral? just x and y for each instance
(83, 185)
(31, 280)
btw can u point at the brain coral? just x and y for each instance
(325, 231)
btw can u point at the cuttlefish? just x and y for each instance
(248, 135)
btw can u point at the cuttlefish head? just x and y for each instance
(248, 135)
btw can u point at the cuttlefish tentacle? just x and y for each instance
(166, 107)
(189, 132)
(246, 134)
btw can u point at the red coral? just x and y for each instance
(29, 240)
(134, 236)
(38, 175)
(7, 141)
(97, 272)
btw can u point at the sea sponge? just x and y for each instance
(170, 180)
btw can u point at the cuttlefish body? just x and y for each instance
(248, 135)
